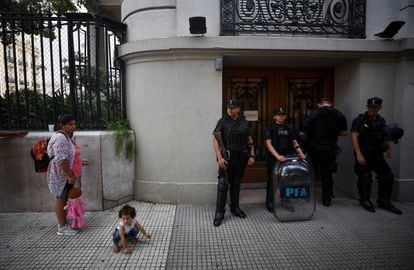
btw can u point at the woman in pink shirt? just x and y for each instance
(75, 209)
(78, 162)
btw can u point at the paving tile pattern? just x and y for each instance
(343, 236)
(29, 241)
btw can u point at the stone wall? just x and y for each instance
(106, 182)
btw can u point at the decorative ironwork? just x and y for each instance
(60, 63)
(252, 92)
(337, 18)
(302, 93)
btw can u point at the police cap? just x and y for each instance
(279, 111)
(374, 102)
(233, 103)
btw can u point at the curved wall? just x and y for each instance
(173, 105)
(149, 18)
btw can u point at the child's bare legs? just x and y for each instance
(116, 238)
(133, 235)
(134, 240)
(115, 248)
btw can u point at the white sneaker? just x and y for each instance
(66, 231)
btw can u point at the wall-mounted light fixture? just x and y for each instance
(391, 30)
(198, 25)
(219, 64)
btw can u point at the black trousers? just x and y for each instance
(324, 163)
(231, 177)
(374, 162)
(271, 162)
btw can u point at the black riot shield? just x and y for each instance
(293, 183)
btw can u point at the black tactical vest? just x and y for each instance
(282, 139)
(372, 134)
(235, 134)
(326, 128)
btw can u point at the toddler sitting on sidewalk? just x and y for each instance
(128, 227)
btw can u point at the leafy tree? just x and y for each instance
(30, 108)
(40, 108)
(87, 93)
(9, 8)
(44, 6)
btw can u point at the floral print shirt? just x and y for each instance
(60, 147)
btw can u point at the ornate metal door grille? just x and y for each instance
(337, 18)
(301, 97)
(252, 92)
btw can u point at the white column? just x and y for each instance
(404, 111)
(173, 102)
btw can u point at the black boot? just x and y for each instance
(270, 207)
(221, 202)
(385, 185)
(326, 198)
(367, 205)
(269, 195)
(326, 201)
(234, 198)
(218, 218)
(327, 187)
(238, 212)
(364, 188)
(387, 205)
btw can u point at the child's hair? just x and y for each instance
(127, 210)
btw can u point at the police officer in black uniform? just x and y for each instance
(368, 141)
(234, 149)
(280, 141)
(323, 126)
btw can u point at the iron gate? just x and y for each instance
(55, 63)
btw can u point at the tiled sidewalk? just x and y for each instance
(29, 241)
(343, 236)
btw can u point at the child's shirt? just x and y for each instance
(127, 227)
(77, 162)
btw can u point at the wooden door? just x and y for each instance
(261, 90)
(255, 90)
(301, 90)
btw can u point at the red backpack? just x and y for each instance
(39, 154)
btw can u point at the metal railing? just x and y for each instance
(60, 63)
(328, 18)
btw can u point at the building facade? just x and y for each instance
(266, 53)
(22, 64)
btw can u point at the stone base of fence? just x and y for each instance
(106, 182)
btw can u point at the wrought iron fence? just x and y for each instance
(55, 63)
(333, 18)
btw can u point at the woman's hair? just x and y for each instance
(65, 118)
(127, 210)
